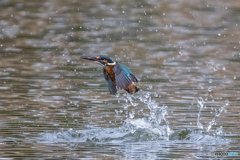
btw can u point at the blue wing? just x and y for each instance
(123, 76)
(111, 85)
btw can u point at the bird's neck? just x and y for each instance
(112, 64)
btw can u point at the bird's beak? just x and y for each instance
(91, 58)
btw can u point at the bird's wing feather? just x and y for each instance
(124, 77)
(111, 85)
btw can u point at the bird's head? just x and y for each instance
(102, 59)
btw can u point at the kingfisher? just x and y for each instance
(116, 74)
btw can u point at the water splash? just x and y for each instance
(200, 104)
(152, 122)
(218, 112)
(150, 127)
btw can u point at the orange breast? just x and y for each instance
(111, 74)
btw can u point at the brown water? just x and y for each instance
(54, 105)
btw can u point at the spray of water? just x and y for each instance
(155, 122)
(218, 112)
(139, 125)
(200, 104)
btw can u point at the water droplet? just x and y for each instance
(224, 68)
(150, 86)
(219, 34)
(210, 80)
(123, 11)
(200, 102)
(226, 102)
(234, 77)
(131, 114)
(210, 89)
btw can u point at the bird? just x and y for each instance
(116, 74)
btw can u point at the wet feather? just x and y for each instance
(111, 85)
(123, 76)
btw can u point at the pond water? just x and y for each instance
(55, 105)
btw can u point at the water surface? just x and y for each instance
(55, 105)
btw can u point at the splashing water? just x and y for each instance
(149, 127)
(200, 104)
(151, 122)
(218, 112)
